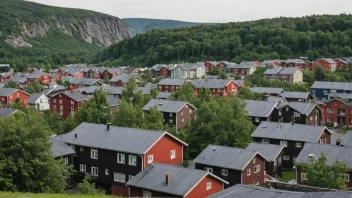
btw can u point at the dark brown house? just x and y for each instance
(291, 136)
(260, 111)
(235, 165)
(176, 113)
(273, 153)
(297, 96)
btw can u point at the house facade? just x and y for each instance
(118, 154)
(327, 63)
(188, 71)
(340, 63)
(40, 76)
(260, 111)
(217, 87)
(337, 112)
(9, 95)
(297, 96)
(321, 89)
(170, 85)
(242, 70)
(291, 75)
(39, 101)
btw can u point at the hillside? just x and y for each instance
(52, 35)
(141, 25)
(278, 38)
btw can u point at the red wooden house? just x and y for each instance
(163, 180)
(218, 87)
(170, 85)
(40, 76)
(223, 64)
(340, 63)
(75, 72)
(4, 77)
(110, 73)
(337, 112)
(121, 80)
(67, 103)
(210, 65)
(9, 95)
(327, 63)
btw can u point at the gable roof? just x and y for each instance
(329, 60)
(35, 74)
(332, 153)
(256, 108)
(225, 157)
(123, 78)
(59, 148)
(297, 95)
(276, 99)
(347, 140)
(347, 96)
(6, 112)
(191, 66)
(341, 60)
(288, 131)
(243, 191)
(164, 95)
(112, 100)
(183, 180)
(53, 90)
(302, 107)
(169, 106)
(146, 89)
(128, 140)
(210, 83)
(7, 91)
(269, 151)
(266, 90)
(76, 96)
(172, 82)
(84, 81)
(332, 85)
(273, 71)
(288, 71)
(34, 97)
(109, 90)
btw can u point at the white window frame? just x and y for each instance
(107, 171)
(66, 160)
(254, 161)
(181, 113)
(81, 149)
(54, 101)
(224, 172)
(330, 110)
(132, 160)
(183, 120)
(257, 168)
(298, 144)
(173, 154)
(94, 153)
(257, 119)
(121, 158)
(249, 170)
(94, 173)
(296, 114)
(119, 177)
(346, 177)
(72, 108)
(150, 158)
(208, 169)
(82, 168)
(286, 157)
(130, 177)
(265, 141)
(208, 185)
(147, 194)
(72, 102)
(283, 143)
(304, 176)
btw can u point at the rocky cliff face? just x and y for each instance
(107, 30)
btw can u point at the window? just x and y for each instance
(280, 112)
(72, 113)
(257, 168)
(60, 101)
(170, 114)
(94, 153)
(181, 113)
(120, 158)
(298, 145)
(132, 160)
(210, 170)
(254, 161)
(321, 141)
(330, 110)
(82, 168)
(81, 149)
(130, 177)
(275, 162)
(283, 143)
(248, 171)
(190, 111)
(257, 120)
(150, 158)
(66, 160)
(265, 141)
(311, 118)
(347, 177)
(95, 171)
(107, 171)
(119, 177)
(173, 154)
(54, 107)
(72, 108)
(61, 107)
(183, 120)
(224, 172)
(286, 158)
(208, 185)
(147, 194)
(296, 114)
(279, 160)
(72, 102)
(287, 108)
(330, 119)
(304, 176)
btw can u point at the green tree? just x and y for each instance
(11, 84)
(154, 119)
(321, 174)
(245, 93)
(87, 187)
(147, 77)
(128, 93)
(26, 161)
(320, 74)
(53, 119)
(185, 93)
(106, 80)
(129, 115)
(154, 93)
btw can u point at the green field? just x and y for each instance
(29, 195)
(288, 175)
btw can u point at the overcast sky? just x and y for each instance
(207, 10)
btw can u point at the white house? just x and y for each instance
(39, 101)
(188, 71)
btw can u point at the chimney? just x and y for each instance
(338, 142)
(168, 178)
(76, 135)
(108, 126)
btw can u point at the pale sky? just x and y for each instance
(208, 10)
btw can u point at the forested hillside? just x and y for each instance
(279, 38)
(141, 25)
(35, 35)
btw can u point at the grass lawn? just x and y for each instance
(288, 175)
(29, 195)
(344, 130)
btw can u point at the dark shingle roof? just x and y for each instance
(7, 91)
(6, 112)
(269, 151)
(225, 157)
(302, 107)
(288, 131)
(298, 95)
(183, 180)
(34, 97)
(210, 83)
(266, 90)
(256, 108)
(332, 85)
(169, 106)
(59, 148)
(332, 153)
(122, 139)
(172, 82)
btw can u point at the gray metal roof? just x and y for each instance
(56, 88)
(6, 112)
(332, 153)
(225, 157)
(59, 148)
(84, 81)
(329, 60)
(34, 97)
(256, 108)
(77, 96)
(109, 90)
(112, 100)
(347, 140)
(1, 85)
(169, 106)
(297, 95)
(243, 191)
(123, 78)
(288, 131)
(18, 78)
(146, 89)
(210, 83)
(269, 151)
(248, 63)
(276, 99)
(191, 66)
(266, 90)
(153, 178)
(239, 82)
(341, 95)
(240, 66)
(332, 85)
(302, 107)
(342, 60)
(7, 91)
(164, 95)
(288, 71)
(35, 74)
(296, 61)
(172, 82)
(122, 139)
(273, 71)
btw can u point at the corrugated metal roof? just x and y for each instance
(332, 153)
(123, 78)
(84, 81)
(288, 71)
(243, 191)
(210, 83)
(6, 112)
(7, 91)
(35, 74)
(77, 96)
(182, 179)
(239, 82)
(34, 97)
(169, 106)
(266, 90)
(269, 151)
(332, 85)
(329, 60)
(288, 131)
(170, 81)
(191, 66)
(297, 95)
(122, 139)
(302, 107)
(347, 140)
(164, 95)
(341, 95)
(276, 99)
(225, 157)
(112, 100)
(59, 148)
(256, 108)
(146, 89)
(273, 71)
(107, 89)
